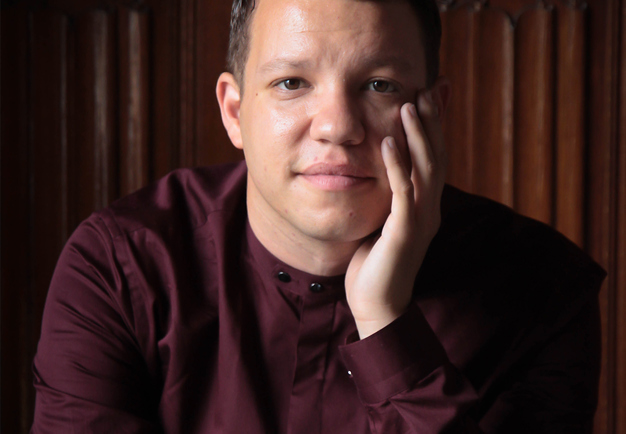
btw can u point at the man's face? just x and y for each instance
(324, 84)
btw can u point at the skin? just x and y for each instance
(335, 147)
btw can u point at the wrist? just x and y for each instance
(374, 323)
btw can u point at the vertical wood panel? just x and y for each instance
(104, 188)
(620, 264)
(92, 163)
(533, 114)
(48, 148)
(164, 80)
(601, 204)
(457, 63)
(212, 142)
(187, 83)
(494, 107)
(15, 205)
(570, 124)
(134, 128)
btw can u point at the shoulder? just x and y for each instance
(145, 241)
(158, 246)
(184, 197)
(486, 247)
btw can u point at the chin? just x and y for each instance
(346, 230)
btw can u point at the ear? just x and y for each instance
(229, 99)
(440, 92)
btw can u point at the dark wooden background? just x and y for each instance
(99, 98)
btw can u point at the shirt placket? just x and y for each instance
(316, 322)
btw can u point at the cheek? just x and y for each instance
(281, 123)
(282, 127)
(271, 145)
(385, 121)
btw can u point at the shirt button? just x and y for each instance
(284, 277)
(350, 374)
(316, 287)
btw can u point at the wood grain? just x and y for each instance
(620, 257)
(493, 107)
(93, 182)
(213, 145)
(458, 63)
(570, 124)
(48, 128)
(533, 119)
(134, 100)
(601, 228)
(187, 104)
(164, 84)
(15, 204)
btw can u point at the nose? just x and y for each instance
(337, 119)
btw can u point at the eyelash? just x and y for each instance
(281, 84)
(391, 87)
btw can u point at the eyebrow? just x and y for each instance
(390, 60)
(395, 61)
(279, 63)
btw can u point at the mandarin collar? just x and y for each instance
(290, 278)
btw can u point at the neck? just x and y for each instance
(308, 254)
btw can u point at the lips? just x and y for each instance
(328, 176)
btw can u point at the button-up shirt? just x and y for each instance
(166, 314)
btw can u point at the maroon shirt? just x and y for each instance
(166, 314)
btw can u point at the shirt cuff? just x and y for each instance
(395, 358)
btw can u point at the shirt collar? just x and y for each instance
(290, 278)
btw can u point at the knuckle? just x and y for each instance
(406, 188)
(431, 168)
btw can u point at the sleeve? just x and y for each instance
(89, 371)
(410, 387)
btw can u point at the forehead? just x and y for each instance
(334, 30)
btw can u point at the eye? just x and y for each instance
(381, 86)
(290, 84)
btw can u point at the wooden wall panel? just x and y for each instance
(187, 133)
(164, 70)
(104, 187)
(566, 59)
(534, 90)
(493, 107)
(15, 195)
(570, 124)
(48, 147)
(458, 62)
(92, 156)
(620, 261)
(601, 207)
(213, 145)
(134, 100)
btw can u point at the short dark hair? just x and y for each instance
(239, 42)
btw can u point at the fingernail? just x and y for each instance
(412, 110)
(429, 97)
(424, 104)
(427, 105)
(390, 142)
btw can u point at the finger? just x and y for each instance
(420, 150)
(430, 118)
(402, 202)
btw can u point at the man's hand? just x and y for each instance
(380, 277)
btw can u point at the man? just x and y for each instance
(331, 283)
